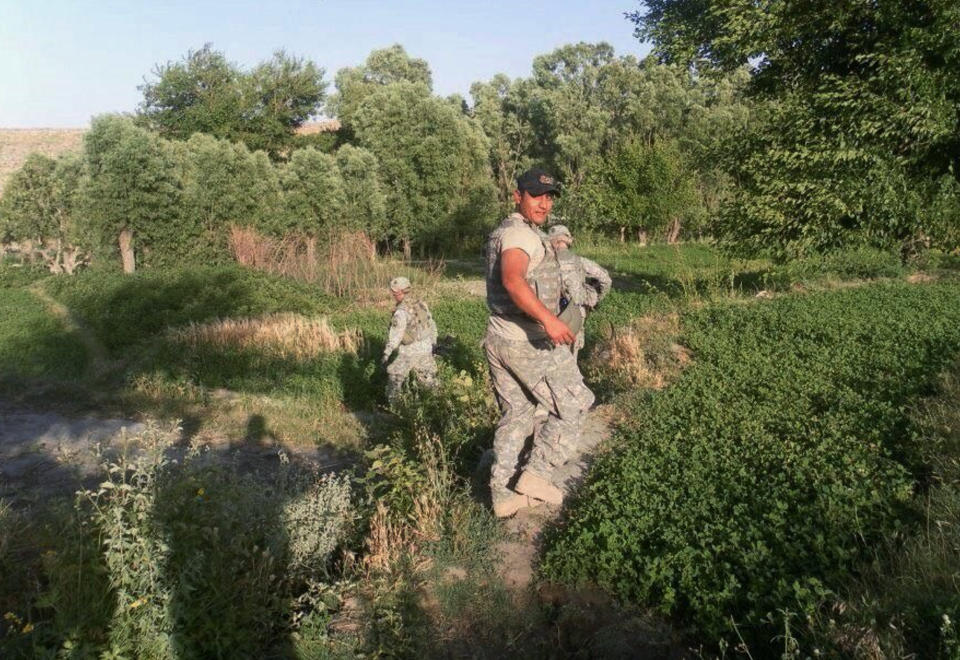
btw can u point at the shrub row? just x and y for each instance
(763, 475)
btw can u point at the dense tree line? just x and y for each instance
(792, 139)
(856, 137)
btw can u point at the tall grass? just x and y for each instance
(284, 335)
(344, 264)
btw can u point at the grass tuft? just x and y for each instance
(283, 335)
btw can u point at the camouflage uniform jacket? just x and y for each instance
(412, 329)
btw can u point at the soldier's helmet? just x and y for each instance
(560, 231)
(399, 284)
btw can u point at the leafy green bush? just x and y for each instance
(460, 411)
(203, 559)
(224, 184)
(760, 478)
(132, 191)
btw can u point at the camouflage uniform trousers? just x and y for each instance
(420, 363)
(527, 375)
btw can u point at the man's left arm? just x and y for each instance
(398, 325)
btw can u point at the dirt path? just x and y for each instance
(519, 551)
(46, 454)
(99, 360)
(43, 454)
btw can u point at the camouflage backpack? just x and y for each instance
(419, 320)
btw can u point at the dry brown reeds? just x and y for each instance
(341, 264)
(285, 335)
(645, 354)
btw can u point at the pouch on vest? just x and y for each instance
(573, 317)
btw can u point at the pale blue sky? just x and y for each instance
(64, 61)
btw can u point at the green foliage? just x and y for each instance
(225, 184)
(461, 412)
(280, 95)
(382, 67)
(499, 111)
(205, 93)
(801, 400)
(200, 94)
(801, 194)
(583, 107)
(642, 187)
(125, 310)
(364, 203)
(859, 142)
(566, 107)
(197, 559)
(313, 194)
(433, 163)
(133, 185)
(907, 599)
(40, 200)
(34, 344)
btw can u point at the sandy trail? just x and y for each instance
(519, 551)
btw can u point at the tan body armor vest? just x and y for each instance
(544, 279)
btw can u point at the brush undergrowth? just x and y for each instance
(801, 399)
(183, 554)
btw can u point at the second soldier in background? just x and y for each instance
(412, 335)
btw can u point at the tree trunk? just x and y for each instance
(673, 235)
(406, 249)
(311, 257)
(57, 266)
(126, 250)
(642, 237)
(73, 259)
(623, 234)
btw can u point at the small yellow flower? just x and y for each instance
(137, 603)
(27, 629)
(200, 492)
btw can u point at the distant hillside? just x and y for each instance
(17, 143)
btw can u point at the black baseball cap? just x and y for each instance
(537, 182)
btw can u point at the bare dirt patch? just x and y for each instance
(46, 454)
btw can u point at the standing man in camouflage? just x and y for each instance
(585, 283)
(412, 334)
(528, 353)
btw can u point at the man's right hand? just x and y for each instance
(558, 332)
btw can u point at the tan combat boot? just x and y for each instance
(539, 488)
(509, 505)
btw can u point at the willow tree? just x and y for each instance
(132, 192)
(433, 164)
(39, 209)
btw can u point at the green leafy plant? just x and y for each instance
(760, 477)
